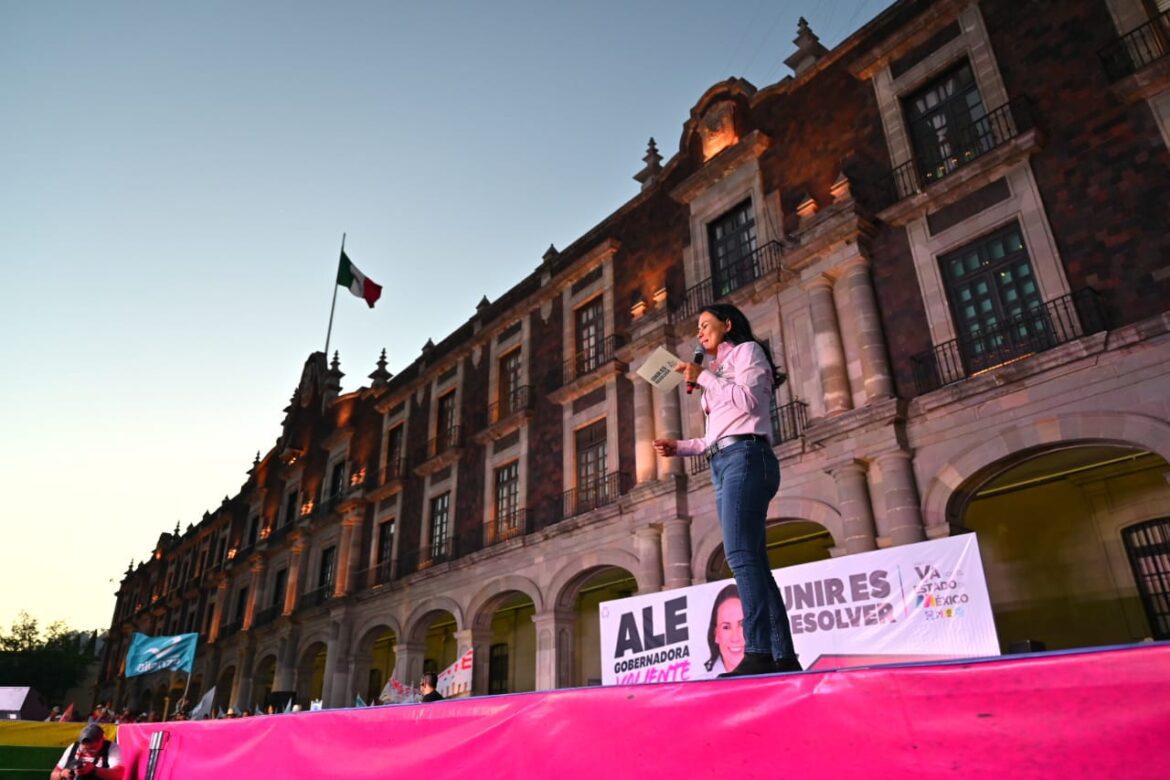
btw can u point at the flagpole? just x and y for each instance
(188, 688)
(333, 306)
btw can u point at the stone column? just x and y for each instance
(875, 365)
(554, 648)
(245, 670)
(345, 557)
(333, 692)
(354, 564)
(284, 676)
(256, 564)
(297, 561)
(221, 590)
(646, 460)
(648, 548)
(854, 505)
(668, 422)
(676, 552)
(480, 642)
(830, 352)
(902, 523)
(408, 662)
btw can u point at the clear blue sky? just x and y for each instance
(175, 179)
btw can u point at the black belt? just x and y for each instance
(723, 442)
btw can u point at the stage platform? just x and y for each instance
(1103, 713)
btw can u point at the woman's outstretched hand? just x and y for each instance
(667, 448)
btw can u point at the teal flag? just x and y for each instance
(161, 654)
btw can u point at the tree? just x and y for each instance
(52, 664)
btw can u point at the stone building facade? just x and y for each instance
(952, 231)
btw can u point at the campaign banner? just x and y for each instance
(160, 653)
(455, 680)
(915, 602)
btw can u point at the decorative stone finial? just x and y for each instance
(653, 161)
(808, 48)
(551, 254)
(483, 304)
(841, 189)
(381, 376)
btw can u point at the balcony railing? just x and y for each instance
(230, 629)
(510, 525)
(601, 492)
(964, 144)
(446, 440)
(520, 399)
(316, 598)
(589, 361)
(395, 469)
(789, 421)
(762, 261)
(279, 532)
(1137, 48)
(1038, 329)
(265, 616)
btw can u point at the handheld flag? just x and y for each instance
(356, 282)
(203, 708)
(359, 701)
(161, 653)
(67, 715)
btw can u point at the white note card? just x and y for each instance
(659, 371)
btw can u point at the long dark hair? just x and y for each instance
(741, 332)
(728, 592)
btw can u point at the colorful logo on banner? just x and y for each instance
(161, 653)
(914, 602)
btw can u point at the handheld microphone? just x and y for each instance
(697, 359)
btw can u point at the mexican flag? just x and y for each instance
(350, 277)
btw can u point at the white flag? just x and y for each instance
(204, 705)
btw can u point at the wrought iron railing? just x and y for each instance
(265, 616)
(788, 421)
(724, 281)
(590, 360)
(230, 629)
(1038, 329)
(590, 496)
(520, 399)
(964, 144)
(697, 464)
(316, 598)
(279, 532)
(446, 440)
(510, 525)
(1137, 48)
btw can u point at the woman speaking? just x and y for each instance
(737, 391)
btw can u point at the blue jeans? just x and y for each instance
(746, 475)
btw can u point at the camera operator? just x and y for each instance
(92, 756)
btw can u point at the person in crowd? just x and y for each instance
(54, 714)
(738, 383)
(426, 687)
(725, 632)
(92, 755)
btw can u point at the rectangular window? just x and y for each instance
(732, 240)
(498, 669)
(241, 605)
(507, 500)
(445, 423)
(440, 508)
(591, 465)
(590, 335)
(290, 506)
(1148, 546)
(947, 122)
(337, 479)
(395, 439)
(509, 384)
(385, 549)
(279, 586)
(328, 562)
(994, 299)
(253, 530)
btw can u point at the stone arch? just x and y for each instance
(320, 635)
(794, 508)
(374, 625)
(482, 605)
(952, 484)
(563, 588)
(413, 623)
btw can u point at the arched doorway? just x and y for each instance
(223, 689)
(262, 682)
(1050, 523)
(311, 674)
(374, 661)
(506, 623)
(440, 647)
(583, 595)
(790, 542)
